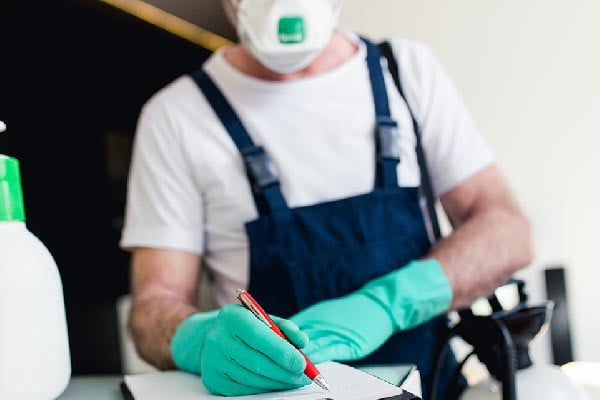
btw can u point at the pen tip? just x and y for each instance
(319, 380)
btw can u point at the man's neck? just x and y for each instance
(339, 49)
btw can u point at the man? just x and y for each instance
(287, 166)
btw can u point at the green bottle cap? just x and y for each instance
(11, 195)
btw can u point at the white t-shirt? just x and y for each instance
(188, 189)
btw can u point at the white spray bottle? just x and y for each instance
(34, 349)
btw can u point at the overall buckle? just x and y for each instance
(259, 166)
(387, 138)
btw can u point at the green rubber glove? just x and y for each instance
(352, 327)
(237, 354)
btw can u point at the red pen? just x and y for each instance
(248, 301)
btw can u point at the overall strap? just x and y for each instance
(387, 51)
(265, 183)
(386, 131)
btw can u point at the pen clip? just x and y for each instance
(242, 295)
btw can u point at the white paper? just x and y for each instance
(347, 383)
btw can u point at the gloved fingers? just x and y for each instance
(232, 374)
(291, 331)
(245, 326)
(241, 374)
(258, 363)
(218, 383)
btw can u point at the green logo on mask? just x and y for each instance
(291, 30)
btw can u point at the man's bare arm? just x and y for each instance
(164, 284)
(491, 239)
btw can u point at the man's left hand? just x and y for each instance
(344, 329)
(352, 327)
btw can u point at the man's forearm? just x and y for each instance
(483, 253)
(152, 323)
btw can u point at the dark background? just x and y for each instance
(73, 77)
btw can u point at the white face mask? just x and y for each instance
(286, 35)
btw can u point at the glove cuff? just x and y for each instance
(188, 340)
(413, 294)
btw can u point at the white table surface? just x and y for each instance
(107, 387)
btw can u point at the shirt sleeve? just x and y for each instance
(453, 146)
(164, 203)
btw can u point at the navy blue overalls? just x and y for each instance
(330, 249)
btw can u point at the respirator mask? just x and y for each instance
(284, 35)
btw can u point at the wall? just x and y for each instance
(528, 71)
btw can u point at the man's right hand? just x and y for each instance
(237, 354)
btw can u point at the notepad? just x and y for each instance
(347, 383)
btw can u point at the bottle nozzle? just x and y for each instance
(11, 194)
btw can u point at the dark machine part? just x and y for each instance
(499, 340)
